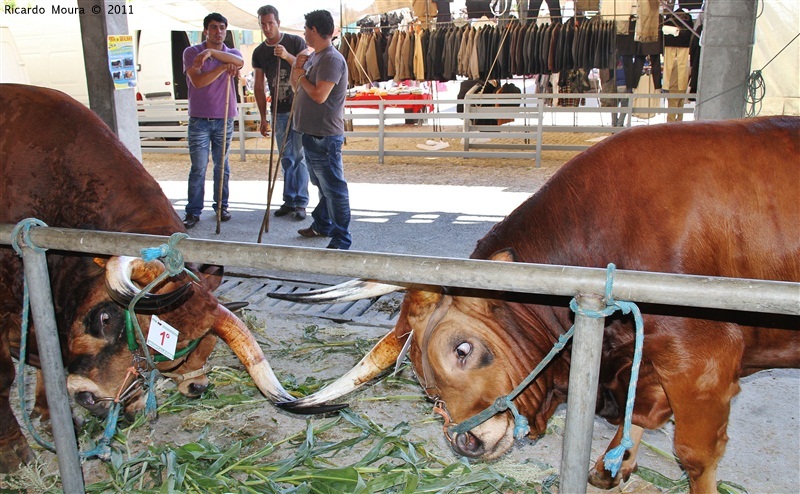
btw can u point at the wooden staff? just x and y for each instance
(222, 158)
(272, 173)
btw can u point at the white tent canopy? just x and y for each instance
(241, 14)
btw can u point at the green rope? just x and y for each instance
(173, 261)
(756, 88)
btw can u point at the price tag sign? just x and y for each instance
(162, 337)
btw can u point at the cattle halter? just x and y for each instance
(173, 262)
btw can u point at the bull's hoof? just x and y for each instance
(14, 451)
(601, 478)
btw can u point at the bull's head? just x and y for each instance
(100, 357)
(465, 350)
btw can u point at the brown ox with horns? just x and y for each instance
(703, 198)
(61, 164)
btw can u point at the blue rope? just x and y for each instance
(169, 255)
(103, 448)
(613, 459)
(24, 227)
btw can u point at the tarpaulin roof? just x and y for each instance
(241, 14)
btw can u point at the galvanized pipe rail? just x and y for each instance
(587, 284)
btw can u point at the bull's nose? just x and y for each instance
(196, 389)
(86, 399)
(89, 401)
(468, 444)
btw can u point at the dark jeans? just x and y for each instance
(325, 169)
(205, 135)
(295, 173)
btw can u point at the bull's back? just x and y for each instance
(713, 199)
(61, 164)
(716, 198)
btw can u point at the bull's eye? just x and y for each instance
(105, 321)
(463, 349)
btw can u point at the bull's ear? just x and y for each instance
(101, 261)
(212, 274)
(505, 255)
(418, 305)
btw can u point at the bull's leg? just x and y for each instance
(600, 477)
(701, 423)
(40, 407)
(14, 448)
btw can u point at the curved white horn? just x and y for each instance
(345, 292)
(121, 270)
(379, 359)
(234, 332)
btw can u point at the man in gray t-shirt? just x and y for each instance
(320, 83)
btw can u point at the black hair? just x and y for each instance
(214, 17)
(267, 10)
(322, 20)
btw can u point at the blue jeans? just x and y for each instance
(325, 169)
(206, 134)
(295, 173)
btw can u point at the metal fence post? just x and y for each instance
(381, 130)
(584, 375)
(35, 265)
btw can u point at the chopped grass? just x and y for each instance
(346, 453)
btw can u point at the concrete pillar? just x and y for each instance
(726, 48)
(116, 107)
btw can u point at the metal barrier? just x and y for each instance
(162, 124)
(586, 284)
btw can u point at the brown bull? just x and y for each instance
(712, 199)
(61, 164)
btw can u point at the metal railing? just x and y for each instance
(586, 284)
(162, 124)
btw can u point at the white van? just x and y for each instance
(12, 69)
(47, 51)
(159, 64)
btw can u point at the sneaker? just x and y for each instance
(337, 247)
(299, 214)
(190, 220)
(283, 210)
(224, 215)
(310, 233)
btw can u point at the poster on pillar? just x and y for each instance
(120, 61)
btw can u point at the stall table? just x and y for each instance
(368, 100)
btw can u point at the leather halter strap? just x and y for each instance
(442, 306)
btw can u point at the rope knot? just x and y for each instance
(24, 227)
(613, 459)
(521, 427)
(168, 253)
(502, 403)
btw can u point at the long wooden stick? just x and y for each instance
(270, 180)
(222, 158)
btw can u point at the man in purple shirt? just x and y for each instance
(208, 68)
